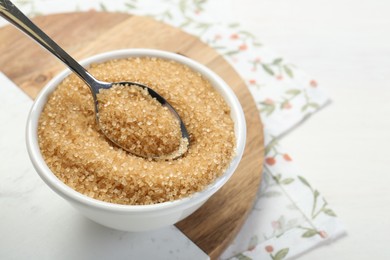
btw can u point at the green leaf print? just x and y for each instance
(287, 181)
(305, 107)
(199, 3)
(314, 105)
(130, 6)
(281, 254)
(279, 180)
(168, 15)
(234, 25)
(183, 6)
(103, 7)
(268, 109)
(270, 194)
(271, 145)
(293, 92)
(185, 23)
(329, 212)
(310, 233)
(242, 257)
(277, 61)
(304, 181)
(268, 69)
(288, 71)
(230, 53)
(246, 33)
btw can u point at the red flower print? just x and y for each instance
(268, 101)
(257, 60)
(275, 224)
(270, 160)
(217, 37)
(313, 83)
(234, 36)
(323, 234)
(243, 47)
(252, 81)
(287, 157)
(279, 77)
(269, 249)
(286, 105)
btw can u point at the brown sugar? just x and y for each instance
(81, 156)
(136, 121)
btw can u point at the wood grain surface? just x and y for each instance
(216, 223)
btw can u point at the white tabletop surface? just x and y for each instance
(343, 150)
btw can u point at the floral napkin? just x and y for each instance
(289, 216)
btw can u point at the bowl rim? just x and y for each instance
(70, 194)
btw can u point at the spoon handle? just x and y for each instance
(12, 14)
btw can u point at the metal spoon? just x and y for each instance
(11, 13)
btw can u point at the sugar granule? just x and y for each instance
(80, 155)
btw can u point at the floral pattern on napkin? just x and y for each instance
(289, 216)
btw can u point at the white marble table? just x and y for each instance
(344, 149)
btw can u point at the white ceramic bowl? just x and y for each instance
(135, 217)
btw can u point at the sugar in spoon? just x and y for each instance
(11, 13)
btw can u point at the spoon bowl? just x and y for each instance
(185, 138)
(12, 14)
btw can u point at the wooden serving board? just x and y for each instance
(216, 223)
